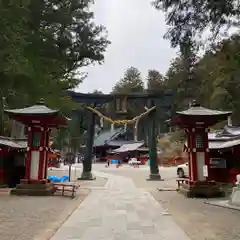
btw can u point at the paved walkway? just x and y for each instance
(119, 211)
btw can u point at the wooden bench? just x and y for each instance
(67, 187)
(181, 181)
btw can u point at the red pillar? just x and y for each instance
(2, 169)
(42, 149)
(200, 146)
(28, 155)
(192, 138)
(47, 145)
(189, 155)
(206, 151)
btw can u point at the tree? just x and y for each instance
(219, 71)
(97, 92)
(76, 129)
(215, 83)
(155, 81)
(188, 52)
(130, 83)
(56, 39)
(194, 17)
(43, 46)
(155, 84)
(60, 139)
(174, 79)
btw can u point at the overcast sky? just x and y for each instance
(136, 31)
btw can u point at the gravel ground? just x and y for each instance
(200, 221)
(38, 218)
(30, 218)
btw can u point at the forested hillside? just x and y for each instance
(215, 80)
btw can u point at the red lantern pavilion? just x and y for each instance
(196, 121)
(40, 120)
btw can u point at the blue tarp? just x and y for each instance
(114, 161)
(58, 179)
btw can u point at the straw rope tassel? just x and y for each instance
(121, 122)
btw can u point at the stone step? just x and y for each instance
(33, 192)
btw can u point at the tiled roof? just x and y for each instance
(227, 133)
(118, 143)
(230, 130)
(13, 143)
(223, 144)
(129, 147)
(228, 137)
(221, 137)
(39, 110)
(107, 136)
(201, 111)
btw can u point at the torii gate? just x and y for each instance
(154, 102)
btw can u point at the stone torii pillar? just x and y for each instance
(87, 162)
(152, 137)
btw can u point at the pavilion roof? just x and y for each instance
(33, 110)
(202, 111)
(38, 110)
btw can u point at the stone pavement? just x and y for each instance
(119, 211)
(222, 203)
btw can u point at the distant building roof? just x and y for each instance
(223, 144)
(228, 137)
(216, 136)
(118, 143)
(227, 133)
(129, 147)
(13, 143)
(143, 149)
(230, 131)
(105, 137)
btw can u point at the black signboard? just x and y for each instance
(217, 163)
